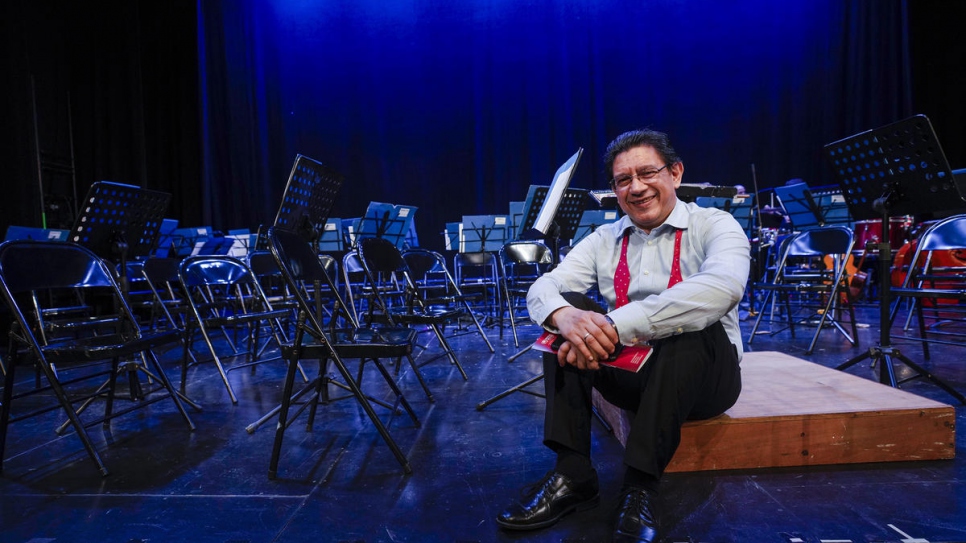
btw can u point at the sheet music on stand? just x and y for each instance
(834, 210)
(388, 221)
(565, 220)
(119, 222)
(590, 220)
(33, 233)
(331, 239)
(309, 195)
(801, 206)
(483, 233)
(740, 207)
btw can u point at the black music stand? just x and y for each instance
(308, 198)
(488, 232)
(564, 225)
(565, 221)
(899, 169)
(118, 222)
(801, 206)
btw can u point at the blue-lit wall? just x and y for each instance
(457, 107)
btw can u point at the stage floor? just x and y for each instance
(340, 483)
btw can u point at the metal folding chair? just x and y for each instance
(71, 343)
(521, 263)
(225, 297)
(382, 260)
(811, 284)
(342, 339)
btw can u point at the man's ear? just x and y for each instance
(677, 172)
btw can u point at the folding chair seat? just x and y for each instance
(521, 263)
(225, 297)
(381, 259)
(340, 340)
(37, 278)
(477, 275)
(935, 283)
(437, 288)
(811, 285)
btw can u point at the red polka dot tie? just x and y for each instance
(622, 276)
(676, 264)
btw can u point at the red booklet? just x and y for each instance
(627, 357)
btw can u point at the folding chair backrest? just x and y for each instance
(162, 277)
(379, 255)
(948, 234)
(830, 240)
(299, 264)
(215, 270)
(422, 262)
(263, 264)
(525, 259)
(476, 267)
(28, 265)
(63, 269)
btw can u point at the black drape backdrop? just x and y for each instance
(454, 107)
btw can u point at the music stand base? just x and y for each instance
(885, 355)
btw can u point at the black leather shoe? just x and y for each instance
(547, 501)
(637, 518)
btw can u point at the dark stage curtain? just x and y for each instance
(457, 107)
(104, 90)
(453, 107)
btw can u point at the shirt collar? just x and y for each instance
(678, 219)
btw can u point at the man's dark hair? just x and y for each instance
(637, 138)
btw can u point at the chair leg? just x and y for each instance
(419, 377)
(395, 389)
(448, 349)
(175, 397)
(283, 414)
(367, 407)
(217, 361)
(74, 419)
(5, 408)
(479, 327)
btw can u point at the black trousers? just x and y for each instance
(690, 376)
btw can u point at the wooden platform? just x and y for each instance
(796, 413)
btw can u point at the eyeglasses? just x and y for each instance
(624, 181)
